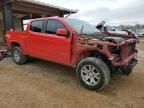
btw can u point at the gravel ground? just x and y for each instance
(41, 84)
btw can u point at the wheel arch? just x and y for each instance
(90, 53)
(18, 44)
(13, 44)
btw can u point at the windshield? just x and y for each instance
(79, 25)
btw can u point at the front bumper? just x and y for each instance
(128, 69)
(125, 62)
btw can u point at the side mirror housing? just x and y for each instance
(62, 32)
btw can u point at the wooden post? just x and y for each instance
(8, 17)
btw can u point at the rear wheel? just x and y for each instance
(18, 56)
(93, 73)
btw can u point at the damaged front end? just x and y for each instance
(121, 52)
(128, 56)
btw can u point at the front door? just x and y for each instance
(57, 48)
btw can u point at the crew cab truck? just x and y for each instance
(77, 44)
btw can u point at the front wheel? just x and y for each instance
(93, 73)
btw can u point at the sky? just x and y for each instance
(114, 12)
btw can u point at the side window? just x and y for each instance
(36, 26)
(53, 25)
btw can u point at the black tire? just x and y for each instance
(22, 58)
(101, 70)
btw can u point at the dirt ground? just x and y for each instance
(41, 84)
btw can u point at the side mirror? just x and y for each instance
(62, 32)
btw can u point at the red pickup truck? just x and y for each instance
(77, 44)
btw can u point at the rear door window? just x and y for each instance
(36, 26)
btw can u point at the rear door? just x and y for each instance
(34, 40)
